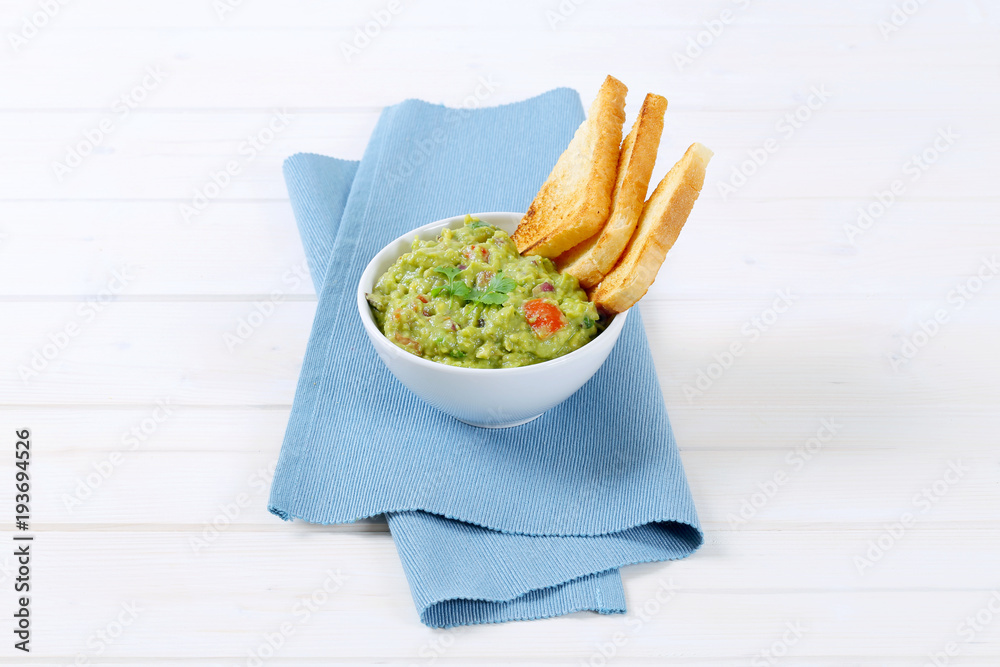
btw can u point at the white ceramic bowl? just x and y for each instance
(487, 397)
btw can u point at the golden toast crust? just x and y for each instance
(574, 202)
(658, 228)
(590, 260)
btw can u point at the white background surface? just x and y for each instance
(836, 354)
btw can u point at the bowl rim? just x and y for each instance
(374, 334)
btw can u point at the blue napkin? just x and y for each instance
(491, 525)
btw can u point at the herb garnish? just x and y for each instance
(494, 294)
(453, 287)
(496, 291)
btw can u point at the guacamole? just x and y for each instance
(467, 298)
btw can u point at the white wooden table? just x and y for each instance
(845, 463)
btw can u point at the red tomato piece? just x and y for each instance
(544, 317)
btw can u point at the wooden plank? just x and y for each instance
(180, 351)
(817, 353)
(244, 250)
(486, 661)
(924, 67)
(493, 659)
(804, 485)
(829, 354)
(248, 587)
(184, 150)
(931, 559)
(523, 14)
(100, 429)
(747, 248)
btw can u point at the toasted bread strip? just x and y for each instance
(591, 260)
(659, 225)
(574, 201)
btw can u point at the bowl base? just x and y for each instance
(507, 425)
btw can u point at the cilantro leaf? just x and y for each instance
(492, 298)
(494, 294)
(501, 283)
(454, 286)
(587, 322)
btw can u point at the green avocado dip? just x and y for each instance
(467, 298)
